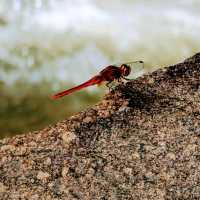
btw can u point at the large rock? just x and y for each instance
(141, 142)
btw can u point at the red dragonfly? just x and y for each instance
(108, 74)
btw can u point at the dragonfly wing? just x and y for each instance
(112, 84)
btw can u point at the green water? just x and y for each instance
(35, 109)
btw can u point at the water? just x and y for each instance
(47, 44)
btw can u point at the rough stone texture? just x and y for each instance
(141, 142)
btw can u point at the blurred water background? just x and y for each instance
(48, 45)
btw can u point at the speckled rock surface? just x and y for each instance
(142, 141)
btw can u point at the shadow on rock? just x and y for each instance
(149, 100)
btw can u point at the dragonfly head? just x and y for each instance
(125, 69)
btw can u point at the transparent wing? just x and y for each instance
(137, 69)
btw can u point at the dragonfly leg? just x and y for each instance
(127, 79)
(109, 86)
(120, 80)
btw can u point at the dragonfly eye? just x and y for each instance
(126, 70)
